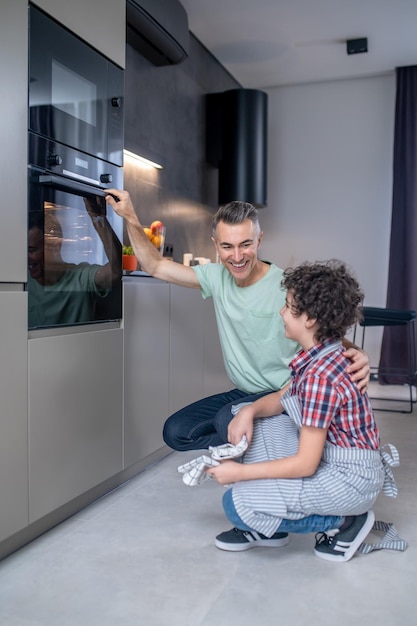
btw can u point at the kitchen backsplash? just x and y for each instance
(165, 115)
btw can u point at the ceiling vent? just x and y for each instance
(158, 29)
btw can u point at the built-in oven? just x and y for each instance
(75, 153)
(75, 93)
(74, 239)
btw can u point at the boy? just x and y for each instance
(319, 453)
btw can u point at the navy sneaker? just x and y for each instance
(236, 540)
(342, 545)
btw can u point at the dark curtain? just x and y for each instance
(402, 276)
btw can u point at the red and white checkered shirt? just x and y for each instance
(329, 399)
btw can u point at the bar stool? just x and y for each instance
(374, 316)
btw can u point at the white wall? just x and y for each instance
(330, 177)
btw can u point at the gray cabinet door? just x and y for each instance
(75, 415)
(101, 24)
(146, 366)
(172, 358)
(215, 377)
(13, 418)
(186, 347)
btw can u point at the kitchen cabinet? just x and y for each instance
(13, 132)
(13, 418)
(196, 361)
(186, 339)
(172, 357)
(75, 415)
(101, 23)
(215, 379)
(13, 269)
(146, 366)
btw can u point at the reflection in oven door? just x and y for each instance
(74, 255)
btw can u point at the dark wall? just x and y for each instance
(165, 119)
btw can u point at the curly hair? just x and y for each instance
(328, 292)
(235, 212)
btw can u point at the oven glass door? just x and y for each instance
(74, 255)
(75, 93)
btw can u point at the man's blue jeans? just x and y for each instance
(204, 423)
(310, 524)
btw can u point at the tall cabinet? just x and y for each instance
(76, 378)
(13, 264)
(56, 472)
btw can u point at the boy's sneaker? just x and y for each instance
(343, 545)
(236, 540)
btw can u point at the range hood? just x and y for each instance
(158, 29)
(236, 143)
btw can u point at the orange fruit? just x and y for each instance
(157, 240)
(148, 232)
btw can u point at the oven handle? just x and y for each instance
(73, 186)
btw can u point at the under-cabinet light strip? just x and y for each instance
(142, 160)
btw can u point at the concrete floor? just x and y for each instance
(144, 555)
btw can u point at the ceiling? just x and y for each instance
(267, 43)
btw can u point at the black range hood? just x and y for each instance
(236, 143)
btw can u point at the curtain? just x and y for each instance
(402, 275)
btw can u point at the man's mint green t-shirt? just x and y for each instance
(69, 301)
(255, 350)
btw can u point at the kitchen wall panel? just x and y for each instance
(165, 118)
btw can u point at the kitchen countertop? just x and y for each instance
(136, 273)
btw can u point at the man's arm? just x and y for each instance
(146, 253)
(112, 270)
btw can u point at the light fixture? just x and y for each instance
(147, 163)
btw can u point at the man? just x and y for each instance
(247, 296)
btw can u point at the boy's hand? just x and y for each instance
(227, 472)
(241, 425)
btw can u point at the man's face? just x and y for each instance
(36, 263)
(237, 246)
(44, 254)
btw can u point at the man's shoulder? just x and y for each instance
(273, 269)
(273, 276)
(213, 279)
